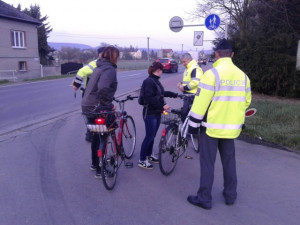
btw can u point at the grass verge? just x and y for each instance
(276, 121)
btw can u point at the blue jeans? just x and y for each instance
(152, 123)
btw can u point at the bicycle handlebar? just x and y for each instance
(129, 97)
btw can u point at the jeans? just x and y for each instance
(152, 123)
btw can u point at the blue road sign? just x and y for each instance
(212, 22)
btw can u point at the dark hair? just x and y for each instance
(155, 66)
(224, 52)
(111, 53)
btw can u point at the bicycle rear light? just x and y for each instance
(163, 132)
(100, 121)
(100, 154)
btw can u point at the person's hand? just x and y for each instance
(166, 107)
(74, 87)
(179, 85)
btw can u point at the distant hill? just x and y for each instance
(58, 46)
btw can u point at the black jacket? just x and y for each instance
(101, 87)
(154, 95)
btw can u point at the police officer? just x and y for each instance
(190, 81)
(86, 71)
(219, 108)
(84, 74)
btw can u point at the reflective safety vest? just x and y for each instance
(190, 83)
(221, 100)
(85, 72)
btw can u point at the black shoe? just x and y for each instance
(228, 201)
(98, 174)
(93, 167)
(194, 201)
(88, 138)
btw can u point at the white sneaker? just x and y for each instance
(145, 164)
(152, 159)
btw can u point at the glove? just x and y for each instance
(193, 130)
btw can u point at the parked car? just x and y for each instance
(202, 61)
(170, 65)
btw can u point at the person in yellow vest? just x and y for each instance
(84, 75)
(218, 110)
(190, 81)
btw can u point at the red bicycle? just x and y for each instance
(117, 134)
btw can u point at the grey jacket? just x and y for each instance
(101, 87)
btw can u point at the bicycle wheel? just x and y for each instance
(129, 137)
(195, 138)
(168, 151)
(109, 168)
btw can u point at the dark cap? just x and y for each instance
(223, 44)
(100, 50)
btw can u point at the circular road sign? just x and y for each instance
(176, 24)
(212, 22)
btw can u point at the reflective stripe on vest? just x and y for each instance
(222, 126)
(229, 98)
(196, 116)
(193, 124)
(92, 68)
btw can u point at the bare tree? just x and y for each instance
(232, 12)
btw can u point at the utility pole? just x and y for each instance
(181, 49)
(148, 51)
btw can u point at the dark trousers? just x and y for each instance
(187, 102)
(152, 123)
(208, 152)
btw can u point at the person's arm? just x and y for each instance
(106, 87)
(195, 79)
(202, 101)
(81, 75)
(170, 94)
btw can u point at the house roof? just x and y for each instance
(9, 12)
(167, 50)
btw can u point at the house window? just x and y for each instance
(18, 39)
(22, 66)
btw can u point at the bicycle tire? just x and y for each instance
(168, 154)
(195, 139)
(109, 168)
(129, 137)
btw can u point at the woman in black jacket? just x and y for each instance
(99, 94)
(154, 105)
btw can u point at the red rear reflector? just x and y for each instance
(163, 132)
(100, 121)
(100, 153)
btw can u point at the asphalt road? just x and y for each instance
(45, 177)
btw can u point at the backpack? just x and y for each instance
(141, 99)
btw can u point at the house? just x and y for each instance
(19, 55)
(165, 53)
(134, 55)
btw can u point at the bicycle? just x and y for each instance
(113, 128)
(174, 141)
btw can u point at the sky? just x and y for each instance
(121, 22)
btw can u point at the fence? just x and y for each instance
(8, 75)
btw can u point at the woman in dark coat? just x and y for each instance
(154, 94)
(99, 94)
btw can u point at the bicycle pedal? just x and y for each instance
(129, 164)
(188, 157)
